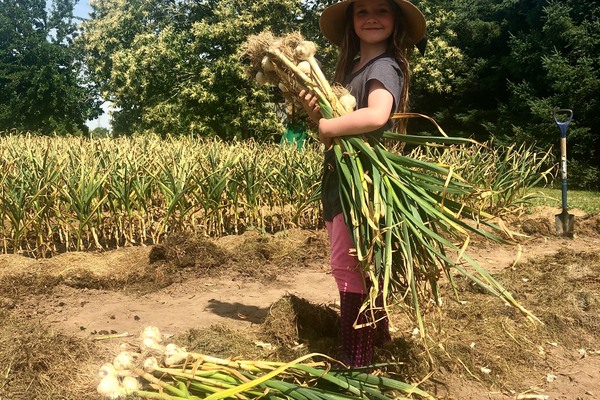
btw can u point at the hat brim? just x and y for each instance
(333, 21)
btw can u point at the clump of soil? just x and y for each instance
(14, 286)
(293, 320)
(220, 341)
(186, 250)
(249, 255)
(123, 269)
(293, 327)
(541, 221)
(564, 292)
(537, 226)
(588, 225)
(264, 257)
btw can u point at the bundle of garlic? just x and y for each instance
(289, 63)
(404, 214)
(170, 372)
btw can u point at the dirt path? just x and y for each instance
(195, 303)
(202, 302)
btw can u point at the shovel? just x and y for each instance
(564, 220)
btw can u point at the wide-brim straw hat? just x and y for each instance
(333, 21)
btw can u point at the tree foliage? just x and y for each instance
(174, 67)
(511, 63)
(42, 88)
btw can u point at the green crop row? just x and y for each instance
(66, 193)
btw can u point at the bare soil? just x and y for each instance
(260, 295)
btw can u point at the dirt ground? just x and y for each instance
(271, 296)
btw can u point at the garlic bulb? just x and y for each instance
(109, 387)
(151, 332)
(123, 361)
(349, 102)
(107, 369)
(261, 78)
(305, 50)
(174, 354)
(130, 383)
(150, 364)
(267, 64)
(151, 343)
(304, 66)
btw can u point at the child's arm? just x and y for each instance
(366, 119)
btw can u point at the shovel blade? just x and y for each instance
(564, 224)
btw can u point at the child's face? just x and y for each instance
(373, 20)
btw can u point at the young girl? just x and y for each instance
(375, 39)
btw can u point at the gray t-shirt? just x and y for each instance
(386, 70)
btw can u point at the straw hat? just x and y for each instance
(333, 21)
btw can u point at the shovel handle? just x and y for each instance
(563, 124)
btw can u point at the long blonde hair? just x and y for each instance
(397, 47)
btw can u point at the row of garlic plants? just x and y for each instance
(62, 194)
(510, 173)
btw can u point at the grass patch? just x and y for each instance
(588, 201)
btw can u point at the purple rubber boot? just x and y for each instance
(357, 344)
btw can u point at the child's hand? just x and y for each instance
(310, 104)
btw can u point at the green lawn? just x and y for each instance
(586, 200)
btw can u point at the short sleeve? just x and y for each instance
(384, 69)
(389, 75)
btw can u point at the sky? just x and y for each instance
(82, 9)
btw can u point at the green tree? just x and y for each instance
(440, 72)
(42, 86)
(469, 40)
(100, 132)
(559, 67)
(174, 67)
(511, 64)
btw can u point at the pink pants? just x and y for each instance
(344, 266)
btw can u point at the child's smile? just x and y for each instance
(373, 20)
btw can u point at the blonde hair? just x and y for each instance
(397, 47)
